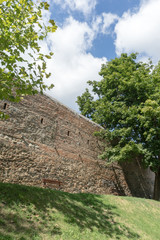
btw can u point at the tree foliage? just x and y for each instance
(127, 105)
(22, 64)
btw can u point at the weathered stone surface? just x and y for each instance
(44, 139)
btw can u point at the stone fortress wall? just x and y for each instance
(44, 139)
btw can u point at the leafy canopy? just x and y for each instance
(127, 105)
(22, 64)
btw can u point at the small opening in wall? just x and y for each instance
(5, 105)
(88, 142)
(68, 133)
(41, 120)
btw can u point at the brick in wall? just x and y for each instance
(44, 139)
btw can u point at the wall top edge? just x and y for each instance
(73, 111)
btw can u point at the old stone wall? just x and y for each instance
(44, 139)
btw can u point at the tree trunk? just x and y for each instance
(156, 194)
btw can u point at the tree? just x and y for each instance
(22, 65)
(127, 105)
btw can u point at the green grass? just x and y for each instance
(30, 213)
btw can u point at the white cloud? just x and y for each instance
(140, 31)
(108, 20)
(71, 66)
(84, 6)
(103, 22)
(97, 24)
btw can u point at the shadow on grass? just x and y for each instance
(87, 211)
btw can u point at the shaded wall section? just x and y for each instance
(44, 139)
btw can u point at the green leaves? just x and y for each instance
(21, 29)
(85, 103)
(3, 116)
(127, 105)
(46, 6)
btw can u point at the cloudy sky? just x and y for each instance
(91, 32)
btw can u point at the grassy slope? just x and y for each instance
(35, 213)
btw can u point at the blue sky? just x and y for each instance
(92, 32)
